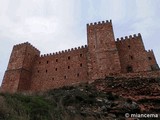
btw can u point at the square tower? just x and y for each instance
(18, 74)
(103, 58)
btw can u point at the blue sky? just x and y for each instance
(55, 25)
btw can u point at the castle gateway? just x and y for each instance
(29, 71)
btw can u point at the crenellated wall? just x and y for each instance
(132, 54)
(60, 69)
(29, 71)
(99, 23)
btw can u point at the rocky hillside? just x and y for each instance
(107, 99)
(144, 91)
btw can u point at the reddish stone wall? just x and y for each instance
(152, 60)
(10, 81)
(17, 57)
(25, 80)
(65, 68)
(23, 56)
(18, 74)
(103, 54)
(31, 54)
(133, 57)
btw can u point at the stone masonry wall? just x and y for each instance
(10, 81)
(18, 74)
(65, 68)
(152, 60)
(132, 54)
(103, 57)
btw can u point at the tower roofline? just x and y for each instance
(65, 51)
(130, 37)
(99, 23)
(27, 44)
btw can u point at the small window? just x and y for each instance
(46, 71)
(52, 78)
(47, 62)
(129, 69)
(68, 67)
(80, 55)
(77, 74)
(39, 62)
(56, 69)
(69, 57)
(131, 57)
(129, 46)
(149, 58)
(65, 77)
(38, 71)
(56, 60)
(81, 65)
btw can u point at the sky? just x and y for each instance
(56, 25)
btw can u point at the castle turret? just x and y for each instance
(18, 74)
(103, 56)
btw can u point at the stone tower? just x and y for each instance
(18, 74)
(132, 53)
(103, 58)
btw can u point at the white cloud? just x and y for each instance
(43, 21)
(144, 8)
(115, 9)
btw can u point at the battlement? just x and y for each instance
(150, 50)
(26, 44)
(130, 37)
(99, 23)
(65, 51)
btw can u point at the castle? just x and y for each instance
(29, 71)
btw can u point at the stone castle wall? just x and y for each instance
(132, 54)
(152, 60)
(103, 56)
(64, 68)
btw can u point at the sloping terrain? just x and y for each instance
(107, 99)
(144, 91)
